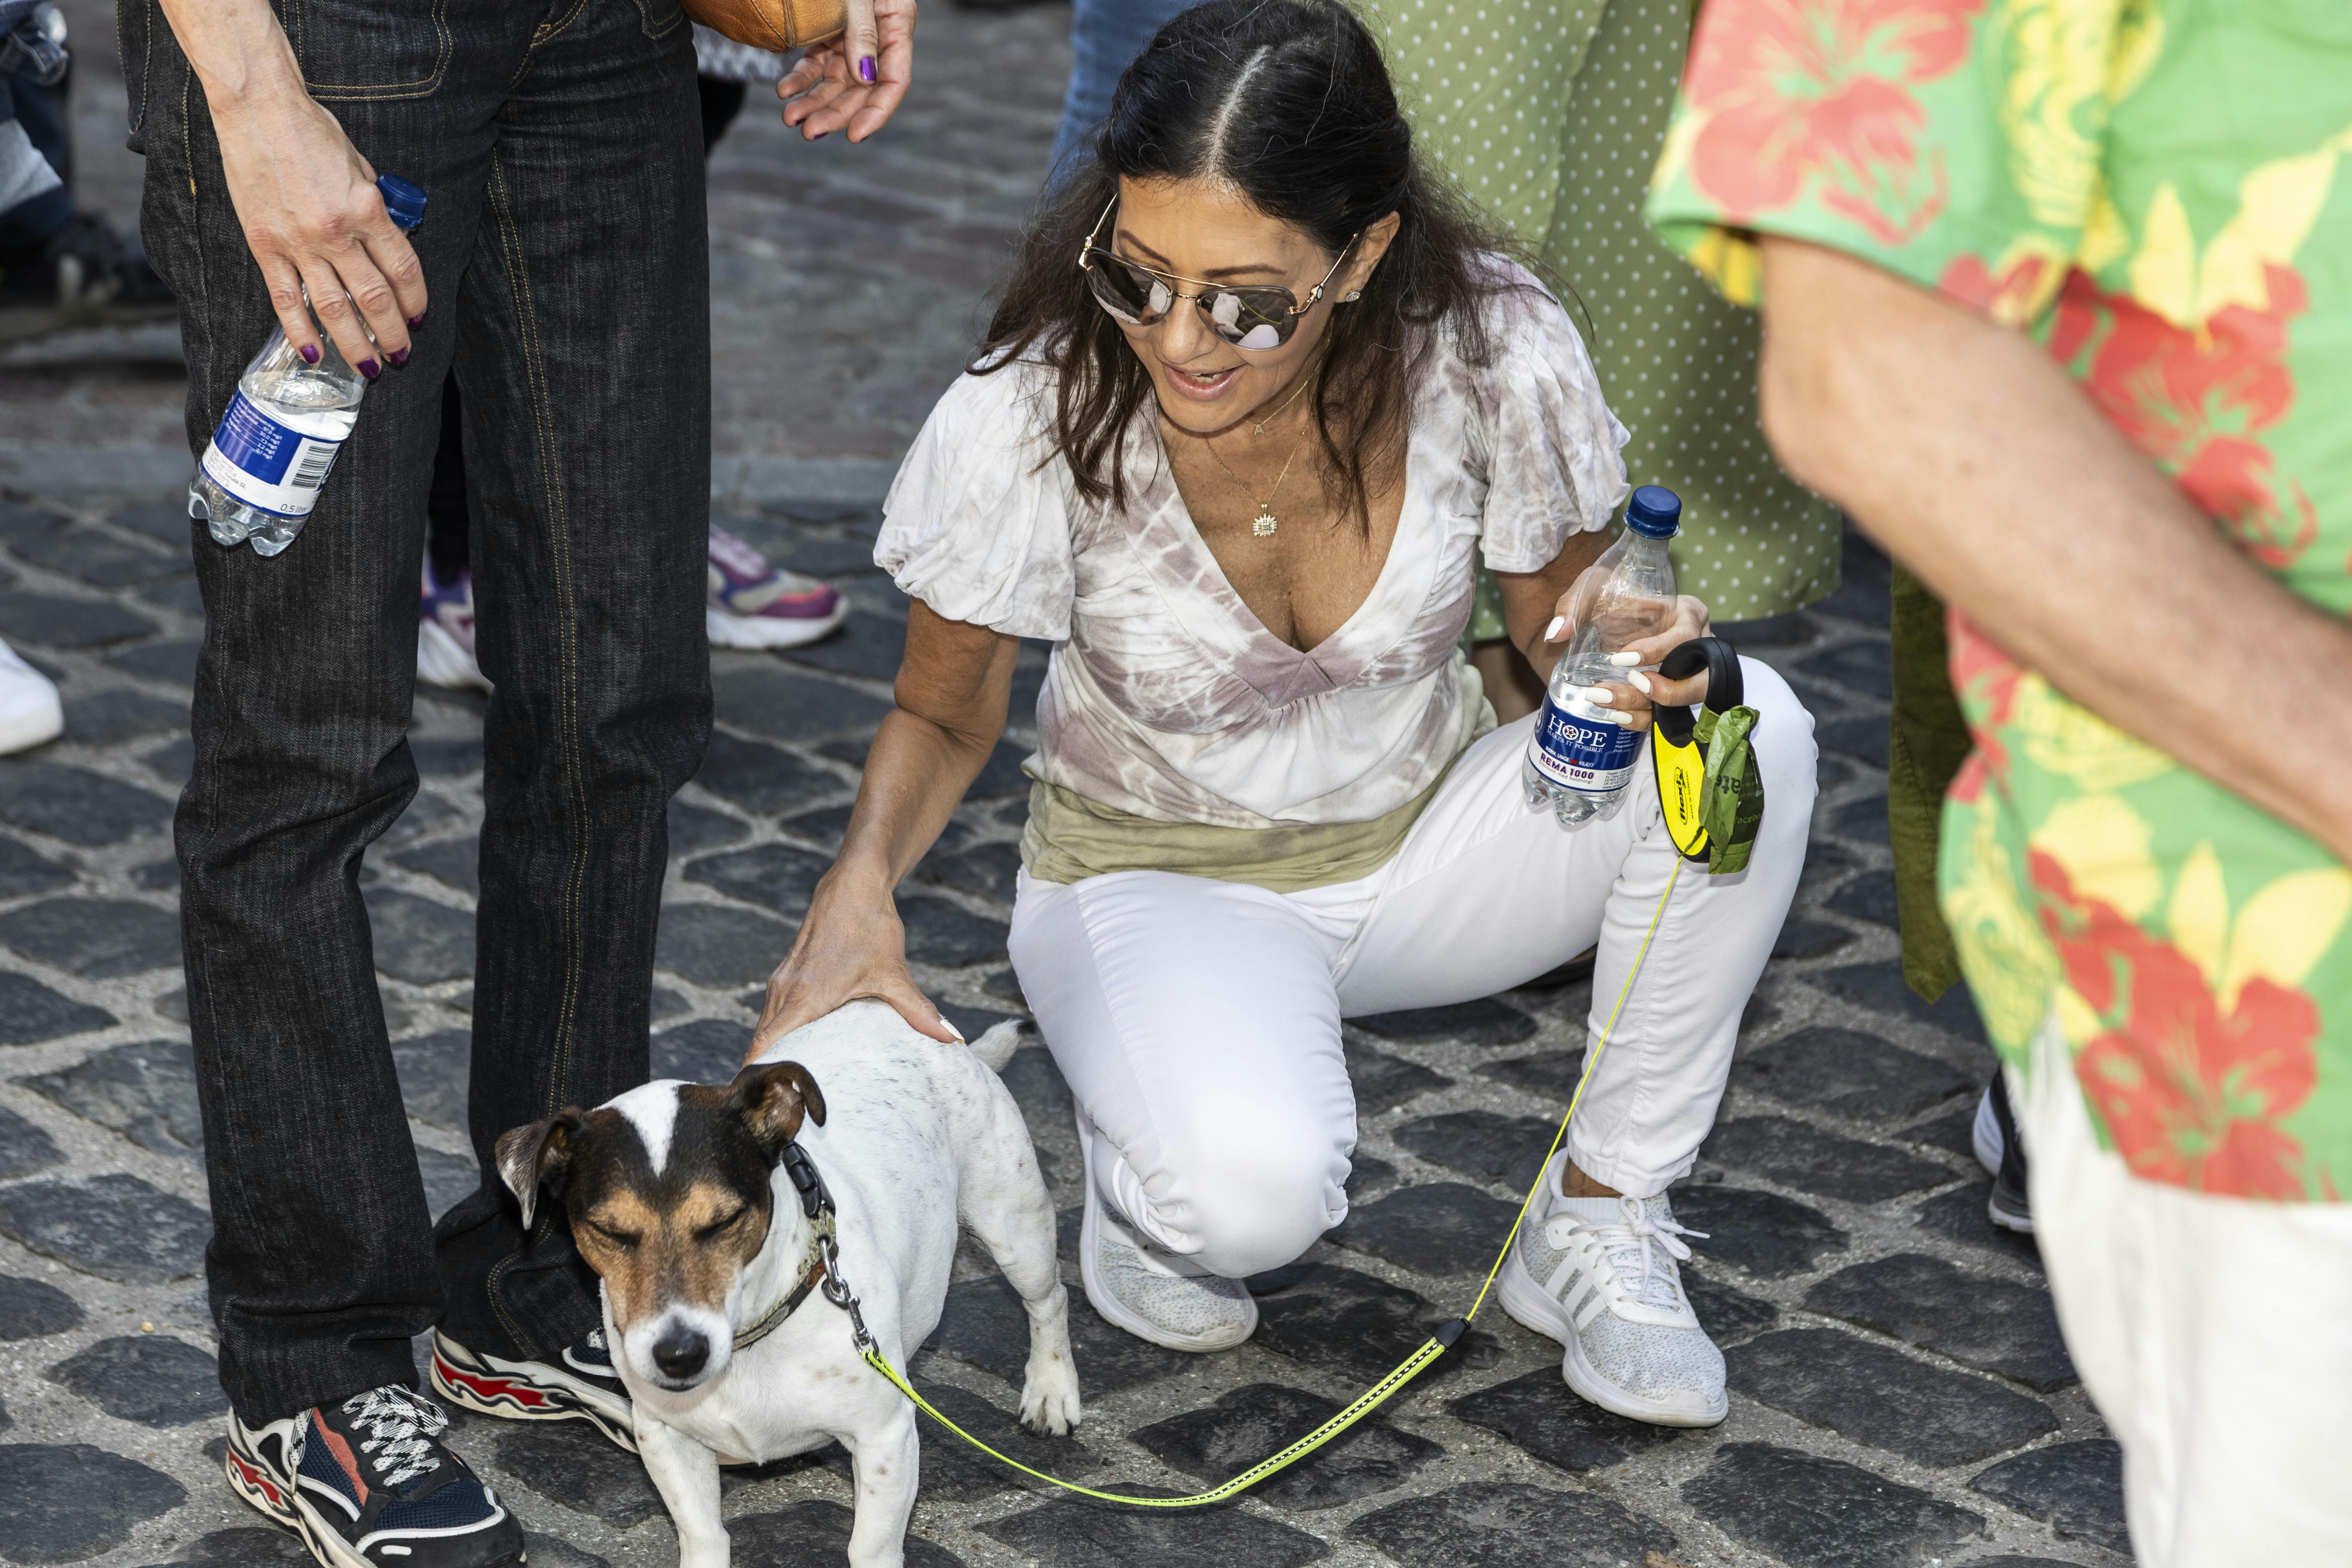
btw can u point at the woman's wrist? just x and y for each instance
(858, 876)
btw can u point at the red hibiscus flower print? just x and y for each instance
(1798, 90)
(2195, 401)
(2190, 1096)
(1985, 677)
(2008, 298)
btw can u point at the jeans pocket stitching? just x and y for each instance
(665, 27)
(422, 87)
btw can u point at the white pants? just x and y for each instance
(2215, 1335)
(1198, 1021)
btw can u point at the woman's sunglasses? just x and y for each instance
(1256, 316)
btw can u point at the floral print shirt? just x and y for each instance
(2155, 191)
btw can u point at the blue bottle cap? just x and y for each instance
(404, 201)
(1654, 511)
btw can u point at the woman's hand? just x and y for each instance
(858, 79)
(1632, 698)
(851, 945)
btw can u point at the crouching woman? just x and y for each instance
(1257, 398)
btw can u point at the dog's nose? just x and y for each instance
(681, 1352)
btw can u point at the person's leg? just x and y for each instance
(1488, 893)
(2212, 1334)
(320, 1262)
(1196, 1025)
(1105, 37)
(584, 364)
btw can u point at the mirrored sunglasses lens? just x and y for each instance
(1136, 297)
(1251, 318)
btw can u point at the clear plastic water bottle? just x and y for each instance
(1580, 757)
(277, 441)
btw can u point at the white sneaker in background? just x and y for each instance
(445, 635)
(1598, 1275)
(1154, 1295)
(30, 713)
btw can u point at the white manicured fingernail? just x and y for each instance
(1551, 631)
(950, 1028)
(1600, 696)
(1626, 660)
(1631, 720)
(1639, 682)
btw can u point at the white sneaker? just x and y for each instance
(1984, 1134)
(1599, 1276)
(1153, 1294)
(30, 713)
(445, 635)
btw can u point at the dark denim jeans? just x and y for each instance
(566, 252)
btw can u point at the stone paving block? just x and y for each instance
(1037, 1085)
(954, 1471)
(244, 1546)
(23, 1148)
(1726, 1314)
(1802, 938)
(153, 1379)
(1869, 897)
(1552, 1072)
(453, 862)
(1368, 1171)
(23, 872)
(1882, 988)
(1848, 1073)
(769, 876)
(1826, 861)
(826, 824)
(75, 805)
(768, 700)
(418, 939)
(1485, 1145)
(1510, 1524)
(1354, 1326)
(433, 1075)
(695, 828)
(449, 1179)
(1247, 1424)
(717, 946)
(1001, 774)
(1442, 1228)
(1860, 666)
(1764, 1233)
(446, 756)
(566, 1462)
(553, 1552)
(145, 1090)
(30, 1012)
(174, 661)
(1006, 984)
(1880, 1397)
(181, 594)
(2077, 1489)
(1863, 820)
(61, 1502)
(984, 1324)
(103, 718)
(45, 620)
(1997, 1325)
(29, 1309)
(113, 1225)
(1482, 1023)
(1536, 1412)
(1960, 1214)
(1384, 1082)
(425, 813)
(987, 870)
(947, 934)
(158, 876)
(707, 1050)
(865, 644)
(1954, 1131)
(1077, 1533)
(98, 559)
(760, 777)
(1824, 1513)
(103, 939)
(1865, 737)
(814, 1535)
(1798, 1155)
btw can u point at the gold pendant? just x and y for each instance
(1263, 525)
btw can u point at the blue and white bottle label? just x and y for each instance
(266, 465)
(1574, 751)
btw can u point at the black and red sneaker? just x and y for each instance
(583, 1385)
(369, 1484)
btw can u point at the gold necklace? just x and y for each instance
(1304, 378)
(1263, 525)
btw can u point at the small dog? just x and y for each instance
(688, 1199)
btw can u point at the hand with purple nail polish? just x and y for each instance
(854, 81)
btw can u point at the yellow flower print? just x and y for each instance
(2071, 740)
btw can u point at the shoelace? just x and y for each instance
(596, 1341)
(1634, 1232)
(401, 1429)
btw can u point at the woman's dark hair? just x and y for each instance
(1287, 101)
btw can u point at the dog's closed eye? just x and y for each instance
(626, 1240)
(719, 1227)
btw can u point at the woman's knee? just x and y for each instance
(1259, 1203)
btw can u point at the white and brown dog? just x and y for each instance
(688, 1199)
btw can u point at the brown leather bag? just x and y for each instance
(777, 25)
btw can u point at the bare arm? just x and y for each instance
(1969, 454)
(952, 689)
(1541, 610)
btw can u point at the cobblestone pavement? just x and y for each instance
(1900, 1393)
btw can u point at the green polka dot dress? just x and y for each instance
(1549, 115)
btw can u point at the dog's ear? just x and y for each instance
(771, 1098)
(535, 1156)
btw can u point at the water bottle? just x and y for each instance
(277, 441)
(1580, 757)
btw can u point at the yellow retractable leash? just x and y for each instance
(1713, 802)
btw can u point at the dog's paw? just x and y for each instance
(1049, 1401)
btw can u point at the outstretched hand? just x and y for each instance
(856, 79)
(851, 945)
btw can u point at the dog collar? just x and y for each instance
(816, 1206)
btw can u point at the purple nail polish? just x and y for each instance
(865, 69)
(369, 369)
(416, 321)
(309, 354)
(398, 357)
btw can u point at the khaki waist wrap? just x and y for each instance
(1070, 838)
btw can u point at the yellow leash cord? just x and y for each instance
(1373, 1398)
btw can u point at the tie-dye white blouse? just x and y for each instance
(1167, 698)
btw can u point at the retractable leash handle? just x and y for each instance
(1707, 789)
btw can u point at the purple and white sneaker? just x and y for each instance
(756, 604)
(445, 635)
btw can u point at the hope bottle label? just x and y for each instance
(265, 464)
(1590, 754)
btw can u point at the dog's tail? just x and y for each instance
(996, 1046)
